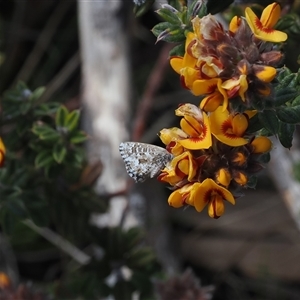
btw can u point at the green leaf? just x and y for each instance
(169, 15)
(139, 10)
(72, 120)
(37, 93)
(283, 73)
(284, 95)
(45, 132)
(290, 115)
(285, 134)
(252, 182)
(269, 120)
(24, 108)
(78, 137)
(46, 109)
(296, 101)
(177, 50)
(264, 158)
(289, 81)
(43, 159)
(176, 4)
(141, 258)
(258, 103)
(160, 27)
(59, 153)
(254, 125)
(61, 116)
(197, 8)
(285, 22)
(169, 33)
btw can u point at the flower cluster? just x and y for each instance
(215, 152)
(212, 155)
(238, 63)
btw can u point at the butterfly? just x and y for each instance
(143, 161)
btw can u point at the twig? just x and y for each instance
(153, 85)
(61, 243)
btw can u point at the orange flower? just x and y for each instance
(223, 177)
(263, 28)
(217, 95)
(195, 124)
(186, 66)
(182, 196)
(181, 166)
(229, 128)
(261, 144)
(210, 193)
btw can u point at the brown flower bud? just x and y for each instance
(272, 58)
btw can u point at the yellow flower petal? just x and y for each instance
(260, 30)
(168, 175)
(223, 177)
(175, 199)
(185, 164)
(204, 86)
(234, 24)
(211, 102)
(221, 128)
(240, 178)
(190, 126)
(261, 144)
(171, 134)
(270, 15)
(201, 140)
(239, 159)
(250, 113)
(239, 124)
(208, 191)
(216, 207)
(176, 63)
(189, 75)
(265, 73)
(196, 197)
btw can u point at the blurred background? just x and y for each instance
(96, 56)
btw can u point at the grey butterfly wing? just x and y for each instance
(143, 160)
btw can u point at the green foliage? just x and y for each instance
(177, 23)
(44, 161)
(279, 115)
(42, 181)
(121, 256)
(178, 20)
